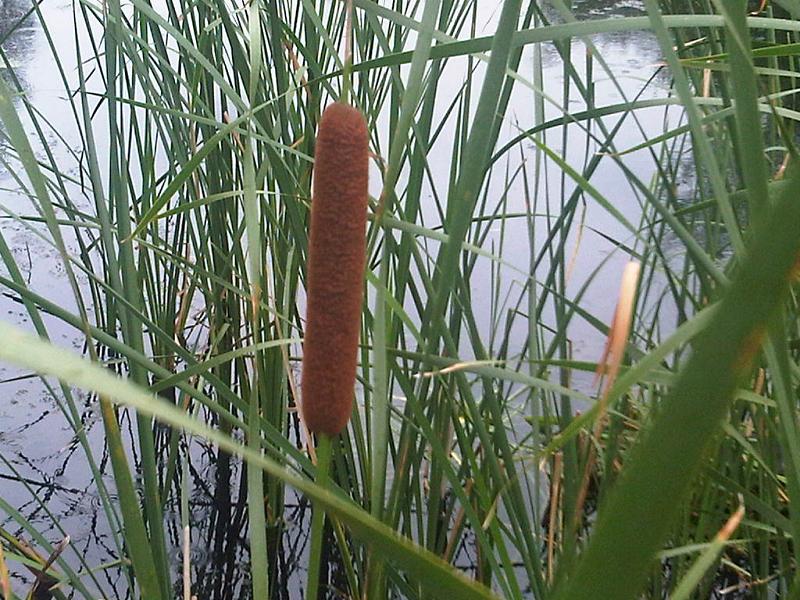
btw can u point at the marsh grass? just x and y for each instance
(178, 218)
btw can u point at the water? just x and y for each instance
(38, 448)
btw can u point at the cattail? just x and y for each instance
(336, 256)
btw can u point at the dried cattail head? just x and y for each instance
(336, 257)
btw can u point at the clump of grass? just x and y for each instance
(336, 257)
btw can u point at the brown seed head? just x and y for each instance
(336, 257)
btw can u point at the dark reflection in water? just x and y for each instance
(220, 557)
(16, 32)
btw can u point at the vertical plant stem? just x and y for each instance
(318, 517)
(5, 581)
(380, 420)
(187, 533)
(259, 559)
(347, 72)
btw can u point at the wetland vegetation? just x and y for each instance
(579, 353)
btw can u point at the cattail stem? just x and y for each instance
(318, 517)
(347, 73)
(336, 259)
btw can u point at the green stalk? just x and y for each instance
(324, 450)
(380, 421)
(259, 556)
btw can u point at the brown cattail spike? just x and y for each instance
(336, 257)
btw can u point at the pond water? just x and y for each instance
(37, 448)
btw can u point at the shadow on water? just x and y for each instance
(220, 553)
